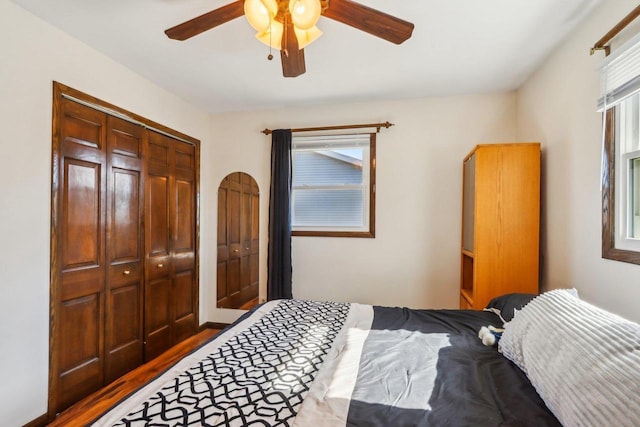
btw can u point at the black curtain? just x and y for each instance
(279, 257)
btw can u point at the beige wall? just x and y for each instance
(557, 107)
(414, 259)
(33, 55)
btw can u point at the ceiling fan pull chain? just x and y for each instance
(270, 56)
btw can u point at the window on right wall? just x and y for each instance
(621, 154)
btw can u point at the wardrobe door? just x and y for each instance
(158, 285)
(125, 243)
(77, 329)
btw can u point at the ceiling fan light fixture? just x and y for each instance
(305, 13)
(260, 13)
(306, 37)
(296, 21)
(272, 36)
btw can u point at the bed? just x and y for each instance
(305, 363)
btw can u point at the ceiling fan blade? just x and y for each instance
(291, 55)
(369, 20)
(293, 64)
(207, 21)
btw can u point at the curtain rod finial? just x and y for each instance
(267, 131)
(385, 125)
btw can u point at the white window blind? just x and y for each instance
(620, 74)
(330, 185)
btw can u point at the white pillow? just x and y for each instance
(583, 361)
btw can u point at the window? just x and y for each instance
(627, 144)
(621, 155)
(333, 186)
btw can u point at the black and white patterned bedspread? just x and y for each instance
(310, 364)
(259, 377)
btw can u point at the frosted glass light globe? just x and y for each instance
(305, 13)
(260, 13)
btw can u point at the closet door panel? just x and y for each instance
(158, 313)
(77, 358)
(158, 216)
(185, 157)
(80, 369)
(183, 305)
(125, 206)
(126, 138)
(124, 330)
(82, 126)
(184, 291)
(159, 280)
(125, 210)
(184, 234)
(183, 294)
(157, 317)
(82, 213)
(84, 311)
(158, 151)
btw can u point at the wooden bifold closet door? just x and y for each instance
(170, 227)
(124, 283)
(123, 248)
(78, 291)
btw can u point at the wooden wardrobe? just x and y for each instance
(500, 222)
(124, 260)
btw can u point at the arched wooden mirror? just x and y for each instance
(238, 241)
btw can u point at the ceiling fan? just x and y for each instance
(289, 25)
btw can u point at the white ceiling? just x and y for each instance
(458, 46)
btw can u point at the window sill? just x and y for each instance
(621, 255)
(362, 234)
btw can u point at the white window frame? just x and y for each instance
(367, 141)
(627, 127)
